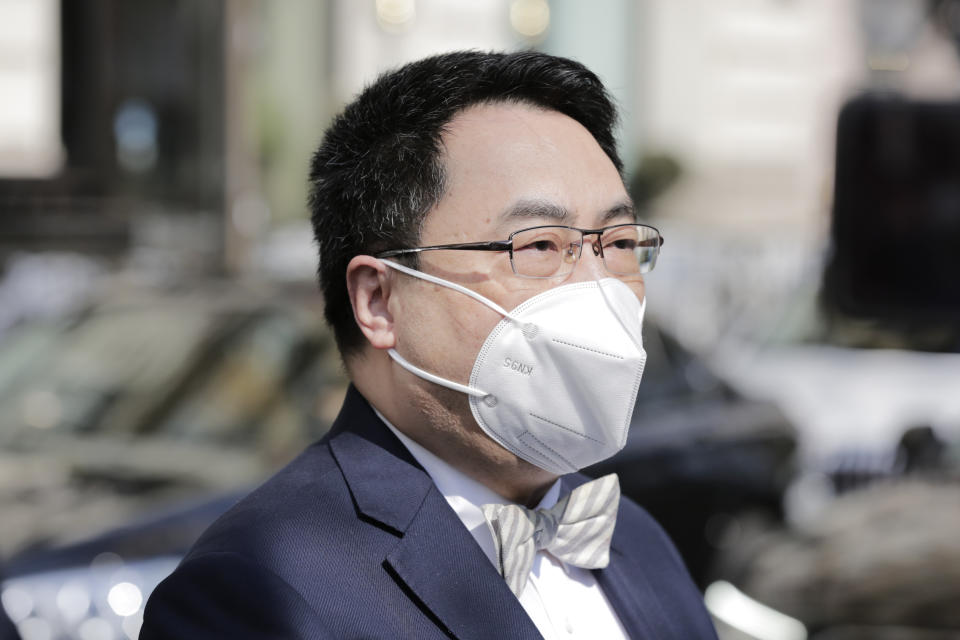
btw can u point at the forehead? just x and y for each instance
(499, 156)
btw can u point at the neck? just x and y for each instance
(440, 421)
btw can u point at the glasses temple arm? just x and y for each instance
(464, 246)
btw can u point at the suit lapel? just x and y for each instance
(436, 559)
(630, 595)
(442, 564)
(626, 586)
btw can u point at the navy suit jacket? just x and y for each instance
(353, 540)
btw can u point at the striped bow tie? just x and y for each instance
(576, 530)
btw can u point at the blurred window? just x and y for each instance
(30, 145)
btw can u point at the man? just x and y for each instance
(494, 347)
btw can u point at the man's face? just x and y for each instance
(508, 167)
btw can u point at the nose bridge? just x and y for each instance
(590, 265)
(595, 243)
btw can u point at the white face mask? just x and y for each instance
(556, 379)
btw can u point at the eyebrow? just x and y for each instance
(535, 209)
(557, 213)
(620, 210)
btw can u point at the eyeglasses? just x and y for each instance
(554, 250)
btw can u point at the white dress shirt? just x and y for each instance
(563, 601)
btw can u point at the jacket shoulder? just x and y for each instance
(225, 595)
(280, 562)
(309, 486)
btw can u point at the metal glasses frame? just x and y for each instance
(507, 245)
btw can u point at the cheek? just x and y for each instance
(511, 292)
(442, 331)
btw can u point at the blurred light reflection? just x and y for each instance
(135, 129)
(125, 598)
(395, 15)
(745, 614)
(131, 625)
(106, 561)
(73, 600)
(17, 602)
(530, 18)
(95, 629)
(35, 629)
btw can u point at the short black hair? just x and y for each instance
(378, 170)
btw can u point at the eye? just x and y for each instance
(622, 239)
(541, 245)
(627, 244)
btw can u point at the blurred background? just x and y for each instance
(161, 341)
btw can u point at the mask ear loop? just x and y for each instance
(426, 375)
(452, 285)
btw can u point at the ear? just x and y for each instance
(368, 283)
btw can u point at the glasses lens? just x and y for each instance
(544, 252)
(630, 248)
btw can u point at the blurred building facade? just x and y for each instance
(211, 111)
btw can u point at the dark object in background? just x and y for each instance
(920, 451)
(946, 16)
(896, 217)
(656, 173)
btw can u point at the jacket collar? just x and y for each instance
(385, 481)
